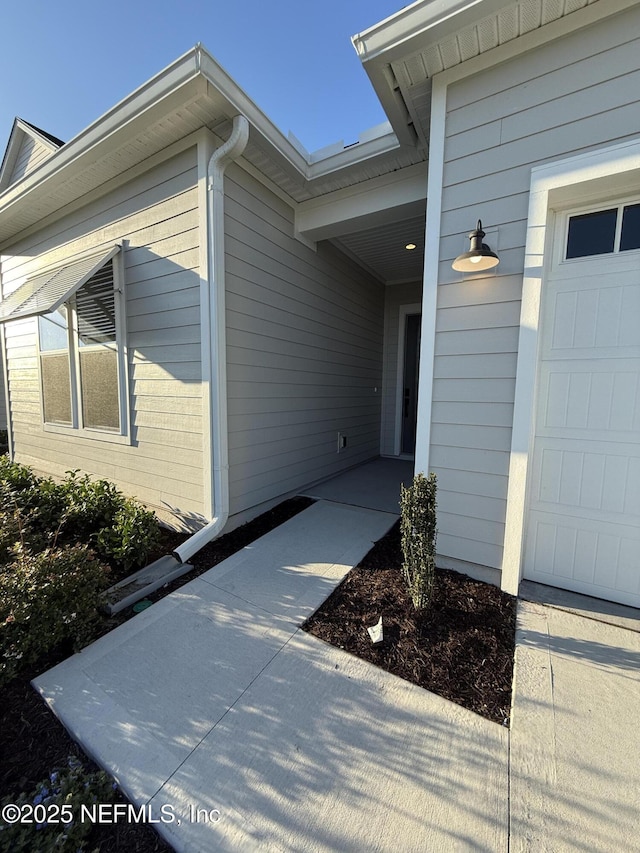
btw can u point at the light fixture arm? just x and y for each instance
(475, 237)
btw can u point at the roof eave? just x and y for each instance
(423, 22)
(193, 76)
(418, 24)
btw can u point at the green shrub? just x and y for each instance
(40, 502)
(15, 478)
(10, 533)
(78, 510)
(133, 534)
(46, 598)
(90, 505)
(61, 797)
(418, 532)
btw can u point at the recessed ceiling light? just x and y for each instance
(410, 246)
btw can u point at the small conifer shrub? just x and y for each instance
(418, 532)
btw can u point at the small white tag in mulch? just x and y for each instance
(375, 632)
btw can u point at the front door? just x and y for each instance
(410, 383)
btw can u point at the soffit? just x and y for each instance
(302, 189)
(382, 250)
(69, 175)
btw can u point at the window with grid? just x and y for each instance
(604, 232)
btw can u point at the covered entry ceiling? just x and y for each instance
(382, 250)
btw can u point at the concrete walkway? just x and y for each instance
(255, 736)
(575, 731)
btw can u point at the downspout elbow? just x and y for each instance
(220, 159)
(228, 152)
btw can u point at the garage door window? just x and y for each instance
(603, 232)
(630, 237)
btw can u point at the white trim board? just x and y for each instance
(430, 274)
(591, 176)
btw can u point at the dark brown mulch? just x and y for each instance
(462, 648)
(33, 742)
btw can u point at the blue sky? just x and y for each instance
(64, 64)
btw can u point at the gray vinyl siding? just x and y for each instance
(304, 335)
(163, 466)
(395, 296)
(569, 96)
(32, 153)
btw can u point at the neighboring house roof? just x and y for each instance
(27, 148)
(54, 139)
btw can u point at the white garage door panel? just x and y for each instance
(583, 530)
(585, 396)
(594, 317)
(597, 559)
(606, 483)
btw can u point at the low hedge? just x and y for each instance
(79, 511)
(60, 545)
(45, 599)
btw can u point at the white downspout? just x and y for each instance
(220, 159)
(4, 371)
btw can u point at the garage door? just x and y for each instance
(583, 529)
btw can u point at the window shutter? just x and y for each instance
(95, 308)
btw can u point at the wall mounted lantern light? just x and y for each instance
(479, 257)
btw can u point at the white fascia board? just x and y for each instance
(416, 25)
(18, 131)
(411, 29)
(10, 154)
(354, 154)
(392, 101)
(363, 205)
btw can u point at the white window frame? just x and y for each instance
(561, 258)
(77, 427)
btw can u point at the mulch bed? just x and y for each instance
(461, 649)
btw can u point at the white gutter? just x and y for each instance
(220, 159)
